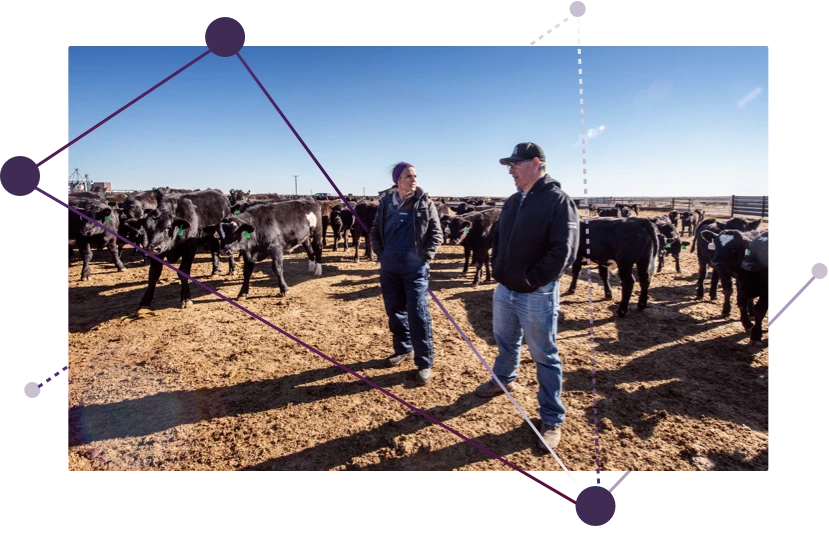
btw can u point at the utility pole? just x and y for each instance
(364, 190)
(296, 191)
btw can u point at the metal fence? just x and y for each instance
(751, 206)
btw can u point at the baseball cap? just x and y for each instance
(524, 151)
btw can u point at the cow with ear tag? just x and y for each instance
(175, 229)
(268, 231)
(86, 233)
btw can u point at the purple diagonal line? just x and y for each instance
(812, 279)
(50, 379)
(308, 347)
(133, 101)
(337, 189)
(619, 481)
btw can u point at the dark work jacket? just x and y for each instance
(535, 242)
(428, 234)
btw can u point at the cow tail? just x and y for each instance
(694, 242)
(654, 249)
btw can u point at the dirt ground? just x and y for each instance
(209, 388)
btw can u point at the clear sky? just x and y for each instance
(665, 121)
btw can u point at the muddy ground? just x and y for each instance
(209, 388)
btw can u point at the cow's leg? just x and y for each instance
(231, 261)
(676, 258)
(345, 239)
(369, 254)
(660, 261)
(316, 245)
(608, 293)
(356, 235)
(576, 269)
(114, 249)
(213, 245)
(277, 267)
(727, 290)
(306, 245)
(486, 264)
(247, 271)
(701, 271)
(336, 239)
(626, 274)
(644, 283)
(760, 310)
(152, 281)
(186, 264)
(86, 253)
(466, 252)
(71, 255)
(325, 231)
(477, 260)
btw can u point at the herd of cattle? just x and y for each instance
(174, 224)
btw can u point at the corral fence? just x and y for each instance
(712, 205)
(751, 206)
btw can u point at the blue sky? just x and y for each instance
(671, 121)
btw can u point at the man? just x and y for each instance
(406, 234)
(535, 241)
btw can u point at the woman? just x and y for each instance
(406, 234)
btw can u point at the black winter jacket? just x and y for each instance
(428, 234)
(535, 242)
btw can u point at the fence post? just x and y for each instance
(765, 206)
(673, 201)
(732, 206)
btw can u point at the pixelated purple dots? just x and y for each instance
(595, 506)
(225, 37)
(19, 176)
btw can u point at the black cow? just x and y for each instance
(753, 282)
(366, 211)
(445, 215)
(673, 215)
(670, 242)
(696, 218)
(86, 233)
(624, 242)
(705, 251)
(464, 207)
(731, 247)
(685, 218)
(176, 230)
(608, 212)
(474, 232)
(270, 230)
(342, 221)
(625, 209)
(237, 195)
(325, 210)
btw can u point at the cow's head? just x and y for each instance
(459, 227)
(103, 216)
(625, 211)
(164, 230)
(757, 255)
(729, 248)
(233, 233)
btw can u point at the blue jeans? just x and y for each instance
(403, 281)
(534, 315)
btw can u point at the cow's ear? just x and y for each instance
(246, 228)
(181, 224)
(103, 214)
(753, 225)
(210, 230)
(154, 214)
(112, 204)
(707, 236)
(135, 224)
(685, 243)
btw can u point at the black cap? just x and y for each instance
(524, 151)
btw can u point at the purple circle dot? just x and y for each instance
(819, 271)
(31, 390)
(20, 176)
(574, 5)
(225, 37)
(595, 506)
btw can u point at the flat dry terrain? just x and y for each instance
(211, 388)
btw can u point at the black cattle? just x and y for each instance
(237, 195)
(696, 218)
(685, 219)
(176, 230)
(325, 211)
(626, 209)
(673, 215)
(731, 249)
(85, 233)
(705, 251)
(474, 232)
(624, 242)
(266, 196)
(670, 242)
(94, 195)
(608, 212)
(593, 209)
(464, 207)
(366, 211)
(342, 221)
(445, 214)
(270, 230)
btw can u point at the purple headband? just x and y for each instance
(398, 170)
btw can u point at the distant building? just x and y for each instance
(106, 186)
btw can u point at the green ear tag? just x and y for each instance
(106, 218)
(181, 231)
(748, 252)
(683, 248)
(246, 235)
(466, 230)
(237, 212)
(667, 245)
